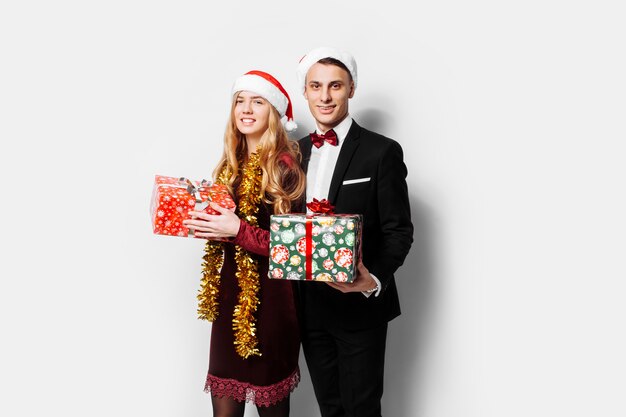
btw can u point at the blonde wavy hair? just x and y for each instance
(283, 182)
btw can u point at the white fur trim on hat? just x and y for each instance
(290, 126)
(264, 88)
(315, 55)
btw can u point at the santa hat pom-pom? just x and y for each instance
(290, 126)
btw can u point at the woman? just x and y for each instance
(255, 336)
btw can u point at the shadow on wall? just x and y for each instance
(409, 334)
(375, 119)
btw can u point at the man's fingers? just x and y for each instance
(339, 286)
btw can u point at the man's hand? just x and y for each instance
(362, 282)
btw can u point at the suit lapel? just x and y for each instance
(343, 161)
(305, 150)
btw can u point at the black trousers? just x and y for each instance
(347, 369)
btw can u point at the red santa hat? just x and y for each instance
(311, 58)
(270, 89)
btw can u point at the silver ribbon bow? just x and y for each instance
(194, 190)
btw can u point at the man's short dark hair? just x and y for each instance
(336, 62)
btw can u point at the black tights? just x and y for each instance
(228, 407)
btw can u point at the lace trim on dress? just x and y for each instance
(258, 395)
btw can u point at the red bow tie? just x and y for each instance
(318, 140)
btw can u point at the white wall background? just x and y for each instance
(511, 115)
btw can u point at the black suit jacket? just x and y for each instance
(387, 232)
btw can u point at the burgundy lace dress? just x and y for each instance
(267, 379)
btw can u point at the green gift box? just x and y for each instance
(315, 247)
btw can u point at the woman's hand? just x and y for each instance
(214, 226)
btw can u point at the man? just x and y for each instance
(361, 172)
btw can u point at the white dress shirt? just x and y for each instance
(322, 163)
(320, 172)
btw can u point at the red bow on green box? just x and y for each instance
(322, 206)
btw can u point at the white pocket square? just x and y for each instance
(356, 181)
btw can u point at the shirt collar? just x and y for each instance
(341, 129)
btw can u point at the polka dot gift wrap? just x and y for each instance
(317, 247)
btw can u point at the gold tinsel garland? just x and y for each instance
(244, 321)
(210, 281)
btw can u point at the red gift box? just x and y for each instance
(173, 198)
